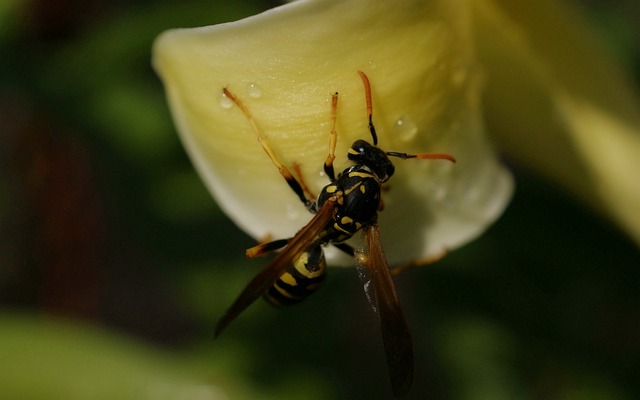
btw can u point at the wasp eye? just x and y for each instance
(364, 153)
(358, 150)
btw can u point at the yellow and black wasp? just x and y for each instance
(348, 204)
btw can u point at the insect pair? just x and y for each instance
(348, 204)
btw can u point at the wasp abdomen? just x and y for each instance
(301, 279)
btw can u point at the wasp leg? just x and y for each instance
(266, 248)
(298, 171)
(420, 262)
(333, 139)
(284, 171)
(347, 249)
(367, 96)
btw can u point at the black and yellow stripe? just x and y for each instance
(300, 280)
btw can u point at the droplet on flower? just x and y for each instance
(405, 128)
(254, 90)
(224, 101)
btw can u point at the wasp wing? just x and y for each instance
(270, 274)
(395, 333)
(360, 255)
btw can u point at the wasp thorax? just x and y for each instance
(364, 153)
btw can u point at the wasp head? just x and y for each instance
(364, 153)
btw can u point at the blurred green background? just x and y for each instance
(115, 263)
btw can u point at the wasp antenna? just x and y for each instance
(367, 95)
(437, 156)
(423, 156)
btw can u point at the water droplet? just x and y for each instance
(372, 64)
(405, 128)
(224, 101)
(254, 90)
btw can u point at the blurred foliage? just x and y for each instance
(115, 263)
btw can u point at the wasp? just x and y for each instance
(348, 204)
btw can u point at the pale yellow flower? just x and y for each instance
(429, 64)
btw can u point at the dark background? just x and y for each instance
(108, 239)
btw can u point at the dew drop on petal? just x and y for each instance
(254, 90)
(405, 128)
(224, 101)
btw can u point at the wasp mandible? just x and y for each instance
(348, 204)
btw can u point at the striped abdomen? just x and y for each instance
(301, 279)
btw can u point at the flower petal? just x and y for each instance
(285, 63)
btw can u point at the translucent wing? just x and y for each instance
(268, 276)
(395, 333)
(360, 255)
